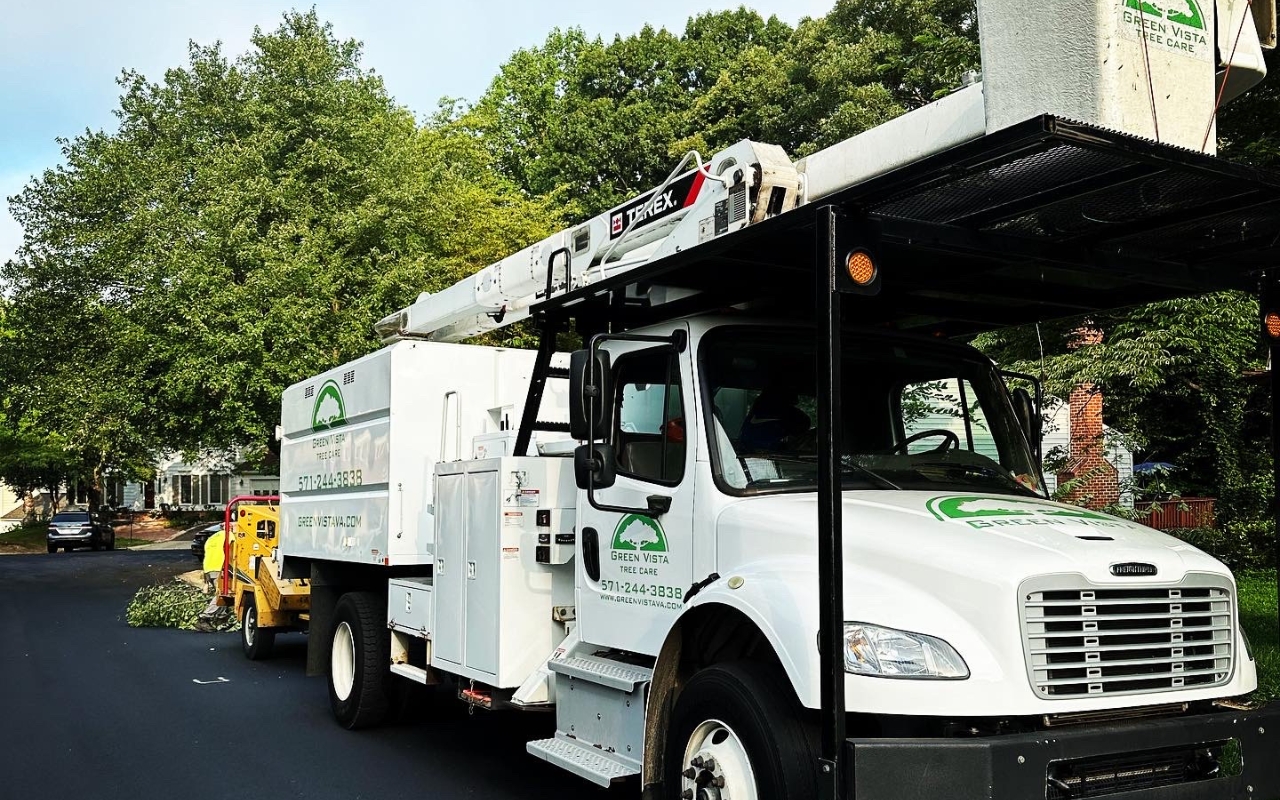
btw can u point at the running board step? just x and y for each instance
(605, 672)
(415, 674)
(596, 765)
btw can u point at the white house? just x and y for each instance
(1057, 442)
(206, 483)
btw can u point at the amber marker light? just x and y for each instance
(1272, 323)
(862, 270)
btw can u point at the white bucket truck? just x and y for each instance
(796, 543)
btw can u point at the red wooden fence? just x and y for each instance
(1186, 512)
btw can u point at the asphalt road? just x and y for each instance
(92, 708)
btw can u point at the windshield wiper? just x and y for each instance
(1006, 478)
(885, 483)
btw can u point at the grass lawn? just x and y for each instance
(31, 539)
(1258, 614)
(26, 537)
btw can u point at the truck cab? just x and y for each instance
(971, 600)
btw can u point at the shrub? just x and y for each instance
(1241, 545)
(185, 519)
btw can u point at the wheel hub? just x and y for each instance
(716, 765)
(342, 662)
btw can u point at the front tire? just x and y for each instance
(739, 726)
(360, 650)
(53, 548)
(256, 642)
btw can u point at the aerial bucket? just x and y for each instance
(1149, 68)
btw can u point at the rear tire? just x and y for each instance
(111, 543)
(256, 642)
(743, 718)
(359, 654)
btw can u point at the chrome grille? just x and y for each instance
(1105, 640)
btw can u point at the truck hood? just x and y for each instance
(955, 566)
(973, 534)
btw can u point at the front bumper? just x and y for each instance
(71, 538)
(1019, 766)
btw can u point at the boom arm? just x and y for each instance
(1145, 87)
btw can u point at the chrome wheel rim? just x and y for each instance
(716, 765)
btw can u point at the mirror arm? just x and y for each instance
(658, 504)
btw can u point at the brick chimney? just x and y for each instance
(1098, 482)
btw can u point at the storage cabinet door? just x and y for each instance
(450, 566)
(482, 571)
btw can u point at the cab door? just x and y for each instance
(635, 564)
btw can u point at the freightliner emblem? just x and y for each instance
(1133, 568)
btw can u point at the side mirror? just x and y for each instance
(1024, 408)
(594, 463)
(585, 383)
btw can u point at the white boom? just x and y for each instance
(1133, 66)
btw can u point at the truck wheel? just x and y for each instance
(738, 727)
(358, 658)
(52, 548)
(256, 642)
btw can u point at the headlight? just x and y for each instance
(886, 653)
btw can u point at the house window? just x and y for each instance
(184, 489)
(218, 489)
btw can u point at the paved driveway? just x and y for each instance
(92, 708)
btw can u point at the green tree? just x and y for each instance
(1181, 378)
(32, 462)
(243, 228)
(594, 123)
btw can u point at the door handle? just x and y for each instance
(591, 553)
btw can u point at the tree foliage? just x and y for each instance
(243, 228)
(252, 215)
(1183, 378)
(593, 123)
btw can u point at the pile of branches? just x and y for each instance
(171, 605)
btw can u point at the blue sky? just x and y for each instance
(62, 57)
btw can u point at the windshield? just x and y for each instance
(68, 519)
(915, 416)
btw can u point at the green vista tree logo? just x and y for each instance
(638, 532)
(1180, 12)
(989, 507)
(329, 410)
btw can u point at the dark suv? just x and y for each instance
(72, 529)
